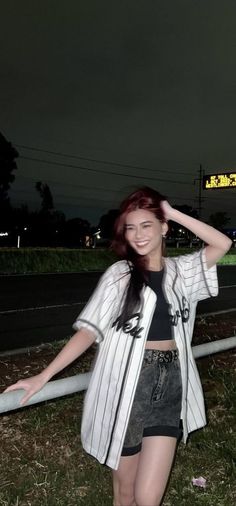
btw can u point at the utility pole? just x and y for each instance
(200, 192)
(200, 198)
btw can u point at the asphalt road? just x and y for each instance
(36, 309)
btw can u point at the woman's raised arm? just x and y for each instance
(217, 243)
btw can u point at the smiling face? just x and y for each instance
(143, 232)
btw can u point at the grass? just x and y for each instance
(42, 462)
(37, 260)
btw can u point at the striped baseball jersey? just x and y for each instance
(114, 378)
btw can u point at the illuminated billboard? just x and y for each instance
(223, 181)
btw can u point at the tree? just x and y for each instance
(7, 165)
(106, 223)
(48, 223)
(219, 220)
(46, 196)
(177, 231)
(75, 232)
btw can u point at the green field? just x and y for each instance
(37, 260)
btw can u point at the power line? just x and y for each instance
(172, 197)
(106, 149)
(97, 160)
(99, 199)
(120, 192)
(102, 171)
(55, 182)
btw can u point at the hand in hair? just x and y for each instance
(167, 209)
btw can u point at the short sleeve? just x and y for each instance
(97, 313)
(199, 281)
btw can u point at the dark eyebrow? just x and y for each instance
(142, 223)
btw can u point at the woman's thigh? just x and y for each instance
(153, 471)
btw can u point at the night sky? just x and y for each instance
(138, 92)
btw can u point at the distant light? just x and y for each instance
(25, 228)
(97, 234)
(4, 234)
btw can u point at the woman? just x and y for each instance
(145, 389)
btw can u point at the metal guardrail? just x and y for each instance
(66, 386)
(202, 350)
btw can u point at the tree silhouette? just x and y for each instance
(219, 219)
(7, 165)
(48, 224)
(181, 232)
(75, 232)
(106, 223)
(46, 196)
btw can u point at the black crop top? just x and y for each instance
(160, 328)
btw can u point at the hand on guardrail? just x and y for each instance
(31, 386)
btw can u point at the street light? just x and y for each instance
(96, 236)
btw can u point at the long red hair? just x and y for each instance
(150, 200)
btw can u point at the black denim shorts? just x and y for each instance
(157, 403)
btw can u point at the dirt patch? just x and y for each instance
(213, 328)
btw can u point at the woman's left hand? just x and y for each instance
(167, 209)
